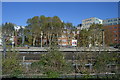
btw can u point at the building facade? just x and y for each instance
(112, 21)
(86, 23)
(0, 36)
(112, 30)
(67, 36)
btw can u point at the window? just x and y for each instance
(78, 32)
(115, 35)
(115, 27)
(110, 24)
(115, 39)
(115, 19)
(109, 20)
(64, 40)
(63, 36)
(114, 23)
(64, 31)
(110, 28)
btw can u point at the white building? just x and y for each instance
(0, 36)
(18, 27)
(86, 23)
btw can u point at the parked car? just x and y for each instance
(117, 46)
(68, 46)
(27, 46)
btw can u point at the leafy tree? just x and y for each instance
(11, 65)
(95, 31)
(102, 60)
(48, 25)
(84, 38)
(52, 64)
(8, 29)
(34, 28)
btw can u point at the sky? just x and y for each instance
(74, 12)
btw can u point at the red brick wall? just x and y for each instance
(111, 31)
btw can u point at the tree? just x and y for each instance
(8, 29)
(84, 38)
(11, 65)
(50, 26)
(35, 28)
(95, 31)
(102, 61)
(52, 64)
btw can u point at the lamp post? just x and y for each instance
(41, 38)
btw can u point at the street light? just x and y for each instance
(41, 38)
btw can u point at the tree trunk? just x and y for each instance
(57, 39)
(34, 40)
(50, 39)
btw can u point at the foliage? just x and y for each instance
(52, 74)
(8, 28)
(52, 64)
(50, 26)
(11, 65)
(96, 34)
(84, 36)
(105, 59)
(91, 36)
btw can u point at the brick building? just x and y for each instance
(112, 30)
